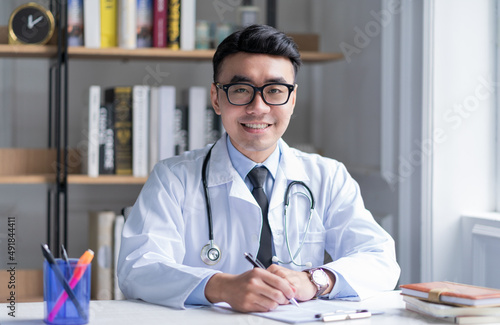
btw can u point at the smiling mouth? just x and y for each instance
(256, 126)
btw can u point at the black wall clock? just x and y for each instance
(30, 23)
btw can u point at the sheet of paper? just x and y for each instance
(305, 313)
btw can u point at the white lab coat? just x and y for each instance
(163, 236)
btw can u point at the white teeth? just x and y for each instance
(256, 126)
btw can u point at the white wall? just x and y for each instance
(463, 117)
(371, 114)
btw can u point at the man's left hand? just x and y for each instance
(306, 290)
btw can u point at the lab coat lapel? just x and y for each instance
(290, 169)
(221, 171)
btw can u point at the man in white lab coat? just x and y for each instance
(164, 255)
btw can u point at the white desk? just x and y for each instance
(136, 312)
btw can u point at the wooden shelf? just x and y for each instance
(28, 179)
(78, 52)
(105, 180)
(29, 285)
(27, 51)
(114, 53)
(75, 179)
(27, 166)
(321, 57)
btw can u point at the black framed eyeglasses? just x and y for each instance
(241, 94)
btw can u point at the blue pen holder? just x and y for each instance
(53, 289)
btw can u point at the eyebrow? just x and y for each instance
(240, 78)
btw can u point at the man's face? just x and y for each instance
(254, 129)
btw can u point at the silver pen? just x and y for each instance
(256, 263)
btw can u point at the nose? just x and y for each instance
(257, 105)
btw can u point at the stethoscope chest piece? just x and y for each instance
(211, 253)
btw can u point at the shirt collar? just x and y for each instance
(243, 164)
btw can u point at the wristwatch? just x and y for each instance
(320, 279)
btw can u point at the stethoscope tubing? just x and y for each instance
(207, 197)
(212, 245)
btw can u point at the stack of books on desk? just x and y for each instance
(453, 302)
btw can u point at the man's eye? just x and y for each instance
(239, 90)
(275, 90)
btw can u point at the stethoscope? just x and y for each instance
(211, 253)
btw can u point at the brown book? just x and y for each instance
(453, 293)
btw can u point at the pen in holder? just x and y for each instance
(63, 279)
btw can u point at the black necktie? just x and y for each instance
(257, 177)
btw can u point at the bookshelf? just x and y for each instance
(12, 159)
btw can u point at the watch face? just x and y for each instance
(31, 24)
(320, 277)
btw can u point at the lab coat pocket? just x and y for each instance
(313, 248)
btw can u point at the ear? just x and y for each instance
(214, 98)
(293, 96)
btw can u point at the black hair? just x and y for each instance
(261, 39)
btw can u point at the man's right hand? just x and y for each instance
(256, 290)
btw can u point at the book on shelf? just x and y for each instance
(197, 101)
(162, 124)
(154, 127)
(101, 230)
(188, 23)
(121, 99)
(106, 140)
(92, 161)
(160, 23)
(75, 22)
(181, 130)
(453, 293)
(92, 23)
(174, 24)
(166, 120)
(127, 35)
(144, 23)
(117, 239)
(140, 130)
(108, 23)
